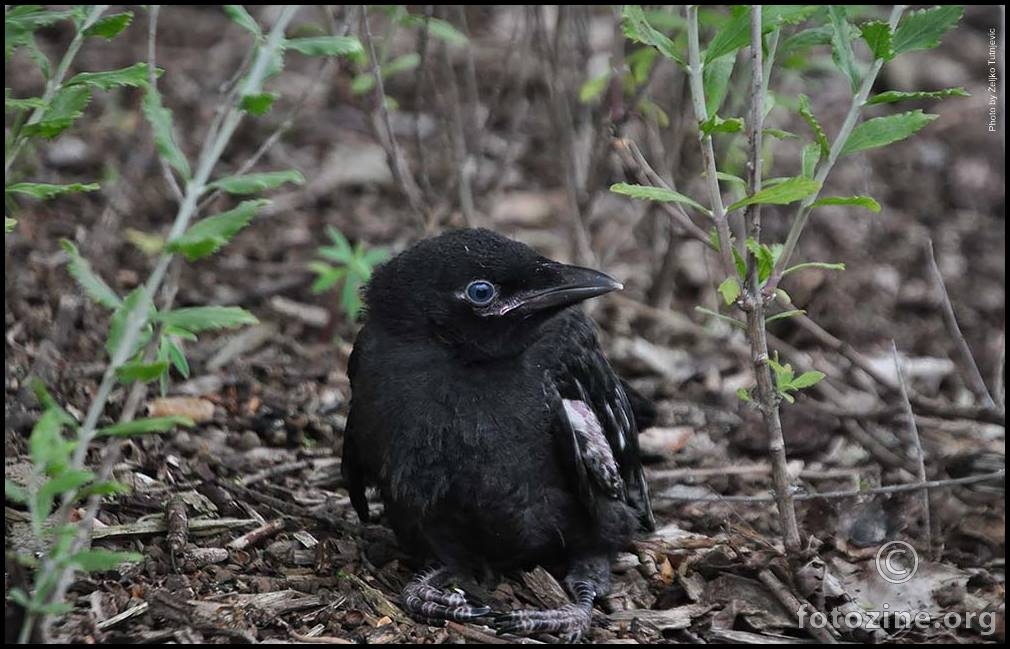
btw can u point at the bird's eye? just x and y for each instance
(480, 292)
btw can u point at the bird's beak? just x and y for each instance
(567, 285)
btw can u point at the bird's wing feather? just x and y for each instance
(595, 418)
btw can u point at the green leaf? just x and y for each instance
(108, 488)
(594, 87)
(647, 193)
(362, 83)
(719, 316)
(176, 356)
(241, 17)
(729, 290)
(738, 261)
(715, 81)
(858, 201)
(147, 243)
(327, 276)
(96, 560)
(49, 451)
(779, 134)
(136, 302)
(922, 30)
(783, 315)
(81, 270)
(807, 379)
(12, 104)
(348, 46)
(811, 156)
(9, 224)
(743, 394)
(440, 29)
(207, 236)
(400, 64)
(45, 191)
(790, 191)
(893, 96)
(258, 182)
(108, 27)
(878, 35)
(806, 39)
(14, 492)
(881, 131)
(730, 178)
(350, 296)
(637, 28)
(812, 264)
(735, 34)
(68, 104)
(716, 124)
(160, 119)
(135, 76)
(141, 371)
(819, 135)
(258, 104)
(841, 47)
(144, 426)
(203, 318)
(64, 483)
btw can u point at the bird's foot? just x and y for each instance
(570, 622)
(425, 601)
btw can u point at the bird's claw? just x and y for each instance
(434, 606)
(570, 622)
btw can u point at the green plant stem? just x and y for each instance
(54, 84)
(825, 167)
(707, 150)
(767, 394)
(137, 318)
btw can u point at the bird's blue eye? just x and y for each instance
(480, 292)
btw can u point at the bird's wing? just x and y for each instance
(596, 425)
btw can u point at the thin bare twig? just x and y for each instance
(969, 369)
(913, 432)
(994, 476)
(794, 604)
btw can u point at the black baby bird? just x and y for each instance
(495, 429)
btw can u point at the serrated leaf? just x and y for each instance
(923, 29)
(859, 201)
(160, 119)
(204, 318)
(108, 27)
(735, 33)
(812, 264)
(790, 191)
(258, 104)
(637, 28)
(819, 135)
(881, 131)
(96, 560)
(12, 104)
(327, 276)
(348, 46)
(594, 87)
(46, 191)
(243, 19)
(807, 379)
(144, 426)
(136, 302)
(141, 371)
(14, 492)
(257, 182)
(715, 81)
(878, 38)
(207, 236)
(893, 96)
(716, 124)
(663, 195)
(841, 47)
(81, 270)
(729, 290)
(810, 157)
(48, 449)
(806, 39)
(134, 76)
(68, 105)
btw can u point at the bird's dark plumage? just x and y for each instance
(486, 414)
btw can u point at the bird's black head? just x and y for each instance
(478, 292)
